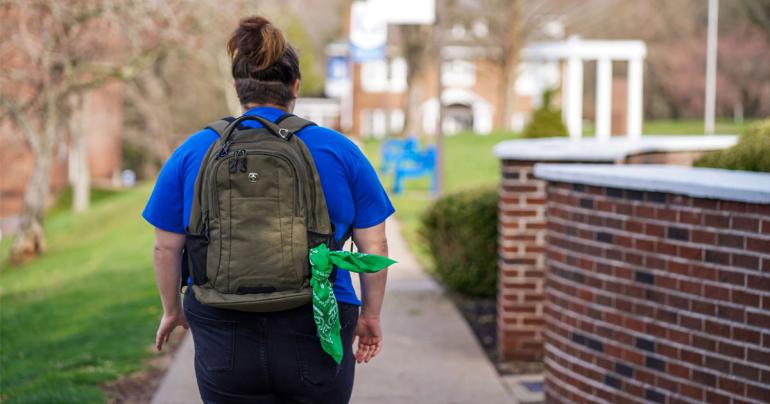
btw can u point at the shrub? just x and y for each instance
(751, 153)
(460, 231)
(546, 120)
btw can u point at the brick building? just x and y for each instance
(471, 94)
(373, 91)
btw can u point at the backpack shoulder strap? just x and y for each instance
(293, 123)
(219, 125)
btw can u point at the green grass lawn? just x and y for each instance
(85, 312)
(692, 127)
(681, 127)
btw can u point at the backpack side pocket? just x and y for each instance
(196, 247)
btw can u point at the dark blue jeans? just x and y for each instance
(243, 357)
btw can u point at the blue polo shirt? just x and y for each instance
(354, 195)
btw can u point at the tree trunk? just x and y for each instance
(81, 178)
(510, 59)
(81, 183)
(413, 49)
(412, 110)
(30, 239)
(503, 120)
(411, 107)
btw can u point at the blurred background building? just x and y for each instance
(371, 68)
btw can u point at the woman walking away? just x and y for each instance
(249, 216)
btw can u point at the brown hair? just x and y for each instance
(264, 64)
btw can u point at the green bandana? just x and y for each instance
(325, 311)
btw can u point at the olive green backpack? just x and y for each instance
(258, 208)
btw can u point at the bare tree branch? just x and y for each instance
(20, 119)
(53, 50)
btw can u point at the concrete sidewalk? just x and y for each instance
(429, 353)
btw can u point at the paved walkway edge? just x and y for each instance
(178, 385)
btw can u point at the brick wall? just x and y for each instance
(521, 255)
(521, 263)
(655, 296)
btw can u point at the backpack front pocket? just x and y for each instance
(255, 261)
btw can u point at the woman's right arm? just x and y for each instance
(167, 261)
(371, 240)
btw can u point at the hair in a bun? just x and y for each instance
(259, 40)
(264, 64)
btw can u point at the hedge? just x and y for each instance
(460, 231)
(751, 153)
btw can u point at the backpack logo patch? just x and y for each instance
(253, 176)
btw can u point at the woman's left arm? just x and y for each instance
(167, 261)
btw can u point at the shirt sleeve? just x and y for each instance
(372, 204)
(165, 208)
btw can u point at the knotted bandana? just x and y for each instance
(325, 311)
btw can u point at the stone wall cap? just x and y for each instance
(614, 149)
(743, 186)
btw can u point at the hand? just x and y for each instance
(167, 324)
(369, 336)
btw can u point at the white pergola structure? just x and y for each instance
(574, 51)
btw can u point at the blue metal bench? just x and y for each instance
(415, 164)
(392, 150)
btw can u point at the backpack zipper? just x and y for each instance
(214, 199)
(312, 188)
(240, 162)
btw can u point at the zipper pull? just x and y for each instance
(205, 231)
(224, 151)
(234, 165)
(244, 161)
